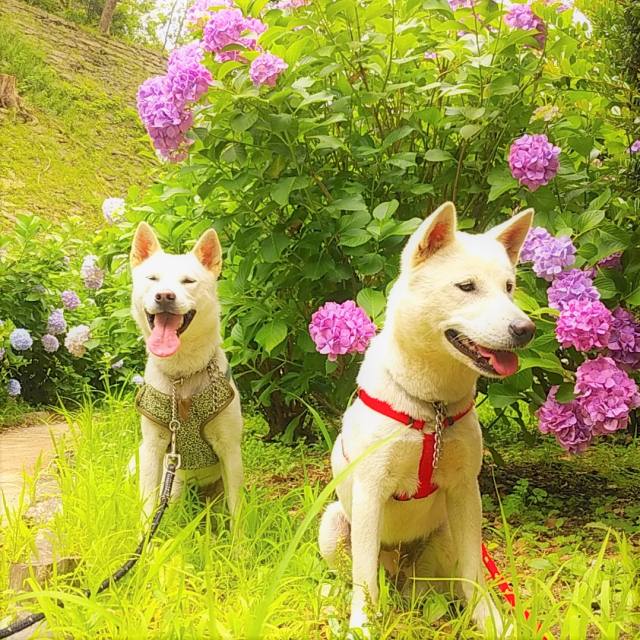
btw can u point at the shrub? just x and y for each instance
(377, 113)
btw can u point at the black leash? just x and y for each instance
(172, 464)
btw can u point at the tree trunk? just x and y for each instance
(107, 16)
(8, 92)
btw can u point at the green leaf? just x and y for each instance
(396, 135)
(437, 155)
(244, 121)
(352, 203)
(566, 393)
(281, 190)
(502, 396)
(501, 181)
(470, 130)
(271, 335)
(385, 209)
(370, 264)
(372, 301)
(354, 237)
(606, 285)
(546, 361)
(404, 228)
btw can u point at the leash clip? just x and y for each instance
(174, 458)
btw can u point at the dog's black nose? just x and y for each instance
(165, 296)
(522, 331)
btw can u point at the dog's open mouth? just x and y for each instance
(491, 361)
(166, 329)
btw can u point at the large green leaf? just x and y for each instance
(372, 301)
(271, 335)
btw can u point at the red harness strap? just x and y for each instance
(425, 468)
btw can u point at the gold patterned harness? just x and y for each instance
(195, 413)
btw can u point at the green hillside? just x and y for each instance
(76, 138)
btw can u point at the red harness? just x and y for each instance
(425, 468)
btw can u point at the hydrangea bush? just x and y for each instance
(328, 130)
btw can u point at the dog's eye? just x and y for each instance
(187, 281)
(154, 278)
(467, 286)
(509, 286)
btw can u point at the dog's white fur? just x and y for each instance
(155, 271)
(409, 365)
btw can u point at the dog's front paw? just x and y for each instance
(359, 625)
(488, 619)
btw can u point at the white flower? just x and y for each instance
(76, 340)
(113, 210)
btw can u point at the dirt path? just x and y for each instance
(20, 449)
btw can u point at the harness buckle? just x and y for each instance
(174, 458)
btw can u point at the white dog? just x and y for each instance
(187, 384)
(450, 318)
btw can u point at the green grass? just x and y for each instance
(75, 142)
(265, 578)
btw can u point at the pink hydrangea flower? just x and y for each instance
(460, 4)
(606, 395)
(342, 328)
(574, 284)
(201, 10)
(533, 160)
(624, 342)
(291, 5)
(266, 68)
(77, 339)
(584, 324)
(188, 77)
(564, 422)
(635, 146)
(229, 27)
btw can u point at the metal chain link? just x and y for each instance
(174, 424)
(441, 415)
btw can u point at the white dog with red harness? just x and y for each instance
(412, 500)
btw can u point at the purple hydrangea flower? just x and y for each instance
(430, 55)
(571, 285)
(56, 323)
(635, 146)
(606, 395)
(520, 16)
(535, 238)
(550, 258)
(188, 77)
(20, 339)
(461, 4)
(342, 328)
(533, 160)
(13, 388)
(76, 340)
(229, 27)
(91, 273)
(201, 10)
(584, 325)
(70, 299)
(266, 68)
(113, 210)
(564, 422)
(614, 261)
(624, 342)
(137, 379)
(50, 343)
(291, 5)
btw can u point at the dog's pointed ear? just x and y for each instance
(209, 252)
(513, 232)
(145, 244)
(437, 231)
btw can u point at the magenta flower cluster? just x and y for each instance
(624, 340)
(574, 284)
(520, 16)
(605, 396)
(533, 160)
(550, 255)
(584, 325)
(339, 328)
(165, 103)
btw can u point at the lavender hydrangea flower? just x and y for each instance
(624, 342)
(14, 388)
(20, 339)
(291, 5)
(550, 258)
(76, 340)
(635, 146)
(70, 299)
(533, 160)
(614, 261)
(188, 77)
(50, 343)
(564, 422)
(584, 325)
(571, 285)
(606, 395)
(56, 323)
(113, 210)
(430, 55)
(460, 4)
(266, 68)
(342, 328)
(229, 27)
(201, 10)
(91, 273)
(137, 379)
(536, 237)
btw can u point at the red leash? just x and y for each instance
(502, 584)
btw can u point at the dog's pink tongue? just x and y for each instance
(164, 341)
(504, 362)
